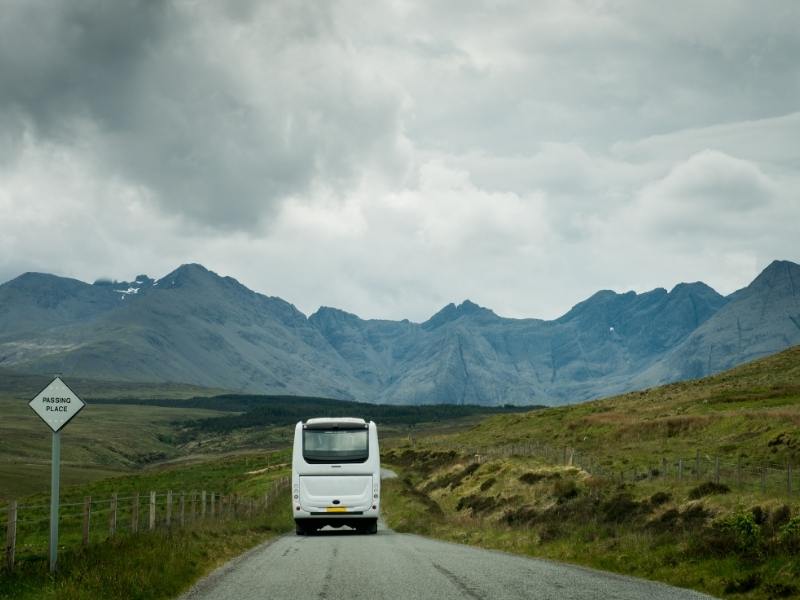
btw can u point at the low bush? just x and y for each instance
(779, 517)
(737, 533)
(620, 508)
(565, 489)
(531, 477)
(660, 498)
(742, 585)
(452, 480)
(695, 516)
(524, 515)
(707, 489)
(781, 590)
(668, 521)
(760, 515)
(487, 484)
(789, 536)
(477, 504)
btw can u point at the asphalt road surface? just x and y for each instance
(339, 564)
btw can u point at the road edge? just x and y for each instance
(563, 564)
(208, 582)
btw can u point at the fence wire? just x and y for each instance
(96, 519)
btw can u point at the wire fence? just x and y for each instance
(767, 478)
(94, 520)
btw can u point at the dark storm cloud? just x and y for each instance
(522, 153)
(218, 113)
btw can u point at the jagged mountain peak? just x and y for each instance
(196, 277)
(330, 314)
(778, 273)
(469, 307)
(190, 272)
(695, 288)
(453, 312)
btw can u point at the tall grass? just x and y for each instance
(721, 543)
(153, 565)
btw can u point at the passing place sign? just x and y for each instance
(56, 404)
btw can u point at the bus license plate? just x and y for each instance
(336, 509)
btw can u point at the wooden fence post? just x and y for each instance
(11, 534)
(194, 504)
(152, 520)
(112, 517)
(203, 504)
(135, 513)
(697, 464)
(183, 509)
(664, 465)
(789, 478)
(763, 479)
(87, 515)
(212, 505)
(739, 472)
(716, 469)
(168, 516)
(680, 469)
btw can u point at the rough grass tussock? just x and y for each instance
(707, 489)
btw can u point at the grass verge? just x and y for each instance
(727, 545)
(154, 565)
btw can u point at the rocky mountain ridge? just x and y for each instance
(197, 327)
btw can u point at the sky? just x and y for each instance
(388, 158)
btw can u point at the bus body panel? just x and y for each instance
(333, 493)
(318, 492)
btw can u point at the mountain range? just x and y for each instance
(197, 327)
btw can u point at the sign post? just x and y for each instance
(56, 405)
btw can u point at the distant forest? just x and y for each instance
(266, 411)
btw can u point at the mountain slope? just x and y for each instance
(468, 354)
(758, 320)
(191, 326)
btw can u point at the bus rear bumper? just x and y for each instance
(322, 513)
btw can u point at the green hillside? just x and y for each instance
(614, 484)
(750, 414)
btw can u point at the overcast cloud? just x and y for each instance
(391, 157)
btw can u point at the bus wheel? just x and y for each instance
(371, 527)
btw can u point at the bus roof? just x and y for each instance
(343, 422)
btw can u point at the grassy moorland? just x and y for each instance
(158, 564)
(101, 442)
(750, 413)
(127, 427)
(730, 539)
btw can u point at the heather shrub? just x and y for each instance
(707, 489)
(789, 536)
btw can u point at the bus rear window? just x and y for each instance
(335, 445)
